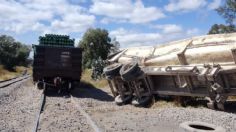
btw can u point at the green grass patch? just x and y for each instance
(6, 74)
(86, 77)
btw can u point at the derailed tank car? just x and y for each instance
(57, 63)
(202, 66)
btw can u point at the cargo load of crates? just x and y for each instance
(56, 40)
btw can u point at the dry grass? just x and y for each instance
(86, 77)
(164, 104)
(232, 98)
(30, 70)
(5, 74)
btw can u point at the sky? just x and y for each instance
(131, 22)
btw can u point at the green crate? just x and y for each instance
(56, 40)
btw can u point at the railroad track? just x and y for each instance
(9, 82)
(41, 108)
(77, 105)
(89, 119)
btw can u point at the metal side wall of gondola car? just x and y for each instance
(53, 64)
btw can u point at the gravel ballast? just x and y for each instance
(110, 117)
(61, 115)
(19, 104)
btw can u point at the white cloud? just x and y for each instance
(125, 11)
(169, 28)
(120, 32)
(214, 4)
(43, 16)
(131, 38)
(192, 31)
(107, 20)
(184, 5)
(73, 23)
(128, 38)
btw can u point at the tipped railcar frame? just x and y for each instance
(202, 66)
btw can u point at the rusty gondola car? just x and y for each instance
(57, 64)
(202, 66)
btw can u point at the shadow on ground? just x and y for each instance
(230, 106)
(53, 92)
(87, 90)
(84, 90)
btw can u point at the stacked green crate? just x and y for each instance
(56, 40)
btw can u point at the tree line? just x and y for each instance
(13, 53)
(96, 44)
(228, 12)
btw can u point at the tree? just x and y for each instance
(219, 29)
(96, 43)
(228, 11)
(12, 53)
(23, 54)
(116, 46)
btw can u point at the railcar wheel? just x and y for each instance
(220, 101)
(39, 85)
(144, 101)
(74, 85)
(130, 71)
(112, 70)
(220, 106)
(119, 100)
(211, 105)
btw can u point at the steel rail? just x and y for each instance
(41, 108)
(9, 79)
(42, 103)
(9, 82)
(86, 115)
(13, 78)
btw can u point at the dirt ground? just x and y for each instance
(162, 116)
(18, 112)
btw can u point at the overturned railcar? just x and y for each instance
(202, 66)
(57, 63)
